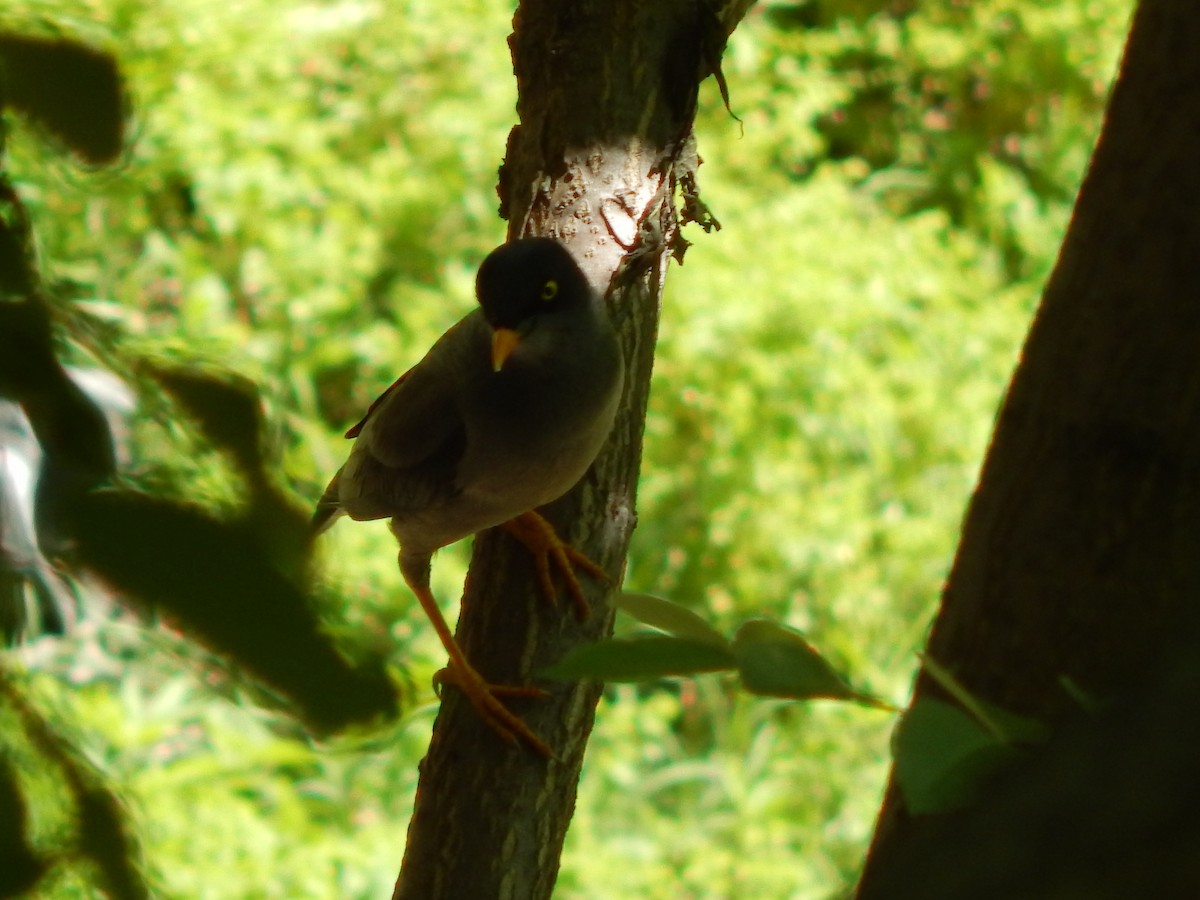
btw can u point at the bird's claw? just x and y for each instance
(543, 542)
(485, 697)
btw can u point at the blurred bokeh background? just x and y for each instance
(307, 190)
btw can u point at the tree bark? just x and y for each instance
(607, 95)
(1080, 554)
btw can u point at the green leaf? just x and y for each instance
(943, 756)
(776, 661)
(670, 617)
(642, 657)
(74, 91)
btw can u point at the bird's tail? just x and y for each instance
(329, 507)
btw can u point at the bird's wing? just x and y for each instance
(415, 418)
(356, 429)
(412, 439)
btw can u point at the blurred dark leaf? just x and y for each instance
(14, 270)
(27, 358)
(228, 410)
(642, 657)
(103, 839)
(213, 580)
(72, 431)
(944, 757)
(21, 868)
(72, 90)
(17, 275)
(663, 614)
(282, 528)
(225, 407)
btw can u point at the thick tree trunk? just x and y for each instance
(607, 97)
(1080, 555)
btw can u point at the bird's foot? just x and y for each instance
(485, 697)
(543, 542)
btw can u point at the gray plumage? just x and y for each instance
(455, 446)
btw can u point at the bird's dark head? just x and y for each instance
(529, 277)
(524, 284)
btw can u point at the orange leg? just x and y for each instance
(543, 542)
(483, 696)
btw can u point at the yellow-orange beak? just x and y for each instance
(504, 342)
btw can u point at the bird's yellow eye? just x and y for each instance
(550, 290)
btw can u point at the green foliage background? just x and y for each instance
(308, 190)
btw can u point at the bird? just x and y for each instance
(504, 414)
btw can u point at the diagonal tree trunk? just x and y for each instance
(607, 95)
(1080, 554)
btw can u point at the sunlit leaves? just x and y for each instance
(98, 833)
(929, 95)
